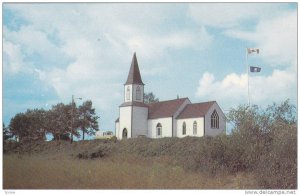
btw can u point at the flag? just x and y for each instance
(251, 50)
(254, 69)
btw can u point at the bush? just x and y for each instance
(103, 150)
(277, 167)
(265, 142)
(10, 146)
(114, 139)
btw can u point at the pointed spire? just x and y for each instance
(134, 76)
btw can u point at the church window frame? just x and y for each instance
(138, 93)
(128, 93)
(214, 120)
(183, 128)
(159, 130)
(195, 128)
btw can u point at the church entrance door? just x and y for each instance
(124, 134)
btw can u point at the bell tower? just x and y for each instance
(133, 119)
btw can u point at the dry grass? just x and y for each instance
(116, 172)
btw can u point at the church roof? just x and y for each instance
(165, 108)
(195, 110)
(134, 76)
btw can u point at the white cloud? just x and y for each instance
(229, 15)
(32, 42)
(276, 38)
(13, 60)
(270, 27)
(232, 90)
(156, 45)
(99, 40)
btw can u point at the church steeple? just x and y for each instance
(134, 76)
(134, 86)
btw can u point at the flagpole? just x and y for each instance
(247, 68)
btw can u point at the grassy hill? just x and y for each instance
(141, 163)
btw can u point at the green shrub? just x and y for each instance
(10, 146)
(265, 142)
(277, 167)
(114, 139)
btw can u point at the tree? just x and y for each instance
(59, 121)
(150, 98)
(29, 125)
(266, 135)
(37, 123)
(19, 126)
(253, 121)
(65, 120)
(87, 121)
(6, 133)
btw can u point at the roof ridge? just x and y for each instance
(168, 100)
(205, 102)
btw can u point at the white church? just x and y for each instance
(172, 118)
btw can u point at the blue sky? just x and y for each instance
(195, 50)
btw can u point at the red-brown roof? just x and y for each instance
(165, 108)
(134, 76)
(195, 110)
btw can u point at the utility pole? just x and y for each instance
(72, 111)
(72, 119)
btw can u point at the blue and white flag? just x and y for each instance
(254, 69)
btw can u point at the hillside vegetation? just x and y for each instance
(129, 164)
(261, 152)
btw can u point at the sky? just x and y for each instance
(52, 51)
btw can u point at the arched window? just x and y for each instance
(124, 133)
(215, 120)
(128, 93)
(195, 128)
(183, 128)
(138, 93)
(158, 130)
